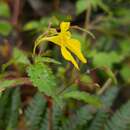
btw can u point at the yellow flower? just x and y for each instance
(64, 40)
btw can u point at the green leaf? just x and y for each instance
(20, 57)
(4, 10)
(43, 78)
(125, 73)
(82, 5)
(6, 84)
(5, 28)
(83, 96)
(103, 59)
(46, 60)
(125, 49)
(31, 25)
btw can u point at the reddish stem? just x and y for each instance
(50, 112)
(16, 11)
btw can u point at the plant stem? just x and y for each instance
(16, 12)
(50, 113)
(105, 86)
(87, 20)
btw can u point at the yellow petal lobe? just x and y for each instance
(54, 39)
(74, 46)
(67, 55)
(64, 26)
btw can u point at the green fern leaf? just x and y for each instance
(103, 113)
(5, 100)
(120, 120)
(109, 97)
(14, 112)
(44, 122)
(35, 111)
(57, 116)
(99, 120)
(80, 118)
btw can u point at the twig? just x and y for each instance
(50, 112)
(105, 86)
(84, 30)
(16, 11)
(87, 19)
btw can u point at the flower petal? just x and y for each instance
(54, 39)
(67, 55)
(74, 46)
(64, 26)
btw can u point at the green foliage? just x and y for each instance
(46, 60)
(44, 122)
(79, 119)
(99, 120)
(35, 111)
(4, 108)
(125, 73)
(14, 110)
(86, 117)
(109, 97)
(43, 78)
(4, 10)
(125, 50)
(20, 57)
(102, 114)
(5, 28)
(106, 59)
(71, 93)
(83, 96)
(82, 5)
(40, 25)
(6, 84)
(120, 120)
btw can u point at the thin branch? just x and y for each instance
(50, 112)
(87, 19)
(16, 11)
(105, 87)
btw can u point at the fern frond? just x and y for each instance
(14, 112)
(102, 114)
(82, 116)
(44, 122)
(5, 100)
(120, 120)
(57, 116)
(34, 112)
(109, 97)
(99, 120)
